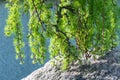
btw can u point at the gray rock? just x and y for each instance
(104, 68)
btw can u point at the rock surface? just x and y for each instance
(105, 68)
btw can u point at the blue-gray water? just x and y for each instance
(10, 69)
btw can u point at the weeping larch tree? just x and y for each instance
(92, 24)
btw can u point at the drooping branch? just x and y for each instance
(58, 30)
(72, 10)
(41, 22)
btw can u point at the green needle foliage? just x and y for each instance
(91, 23)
